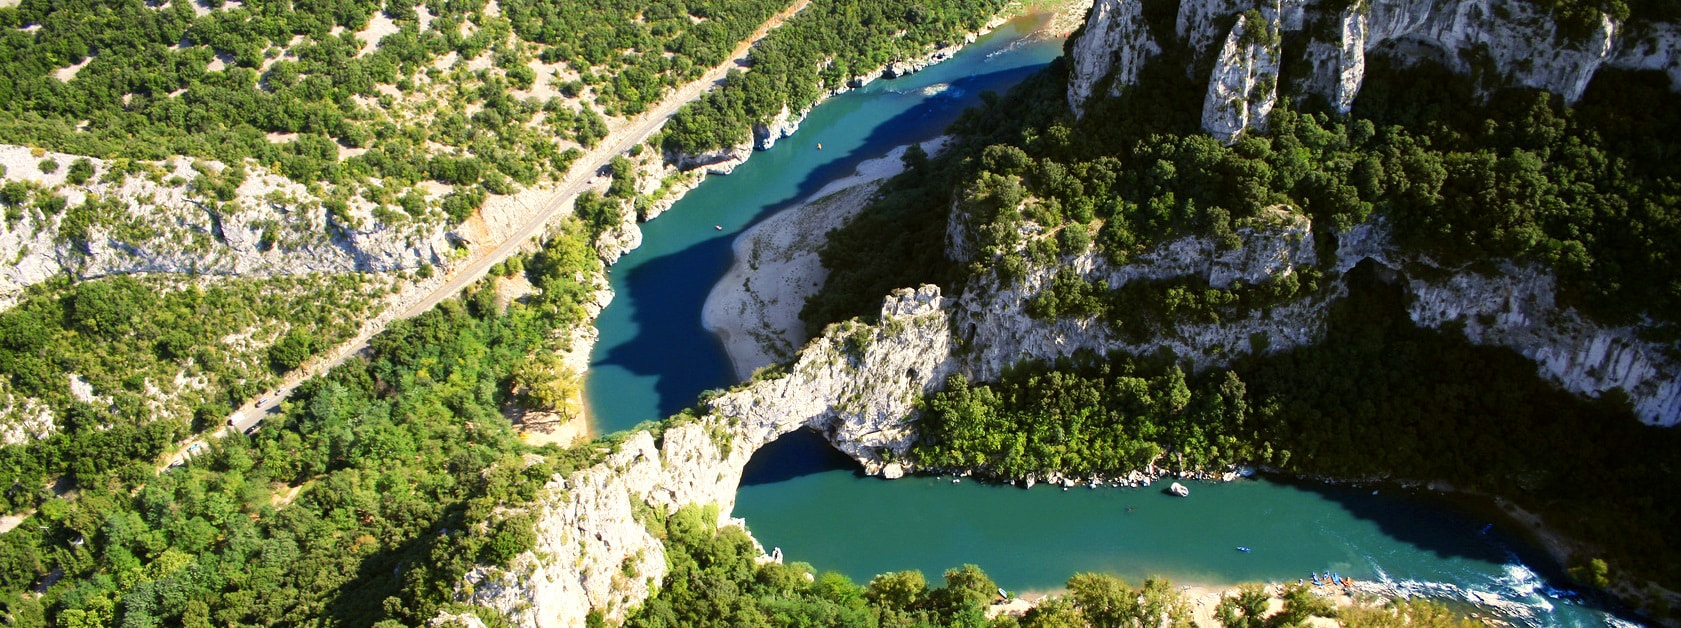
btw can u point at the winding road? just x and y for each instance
(484, 255)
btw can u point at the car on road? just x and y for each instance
(262, 401)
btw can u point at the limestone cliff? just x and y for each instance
(1115, 38)
(857, 383)
(1501, 42)
(992, 320)
(158, 218)
(1244, 86)
(1513, 308)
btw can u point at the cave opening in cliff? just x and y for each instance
(796, 454)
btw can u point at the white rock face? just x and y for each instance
(273, 226)
(1113, 49)
(1515, 309)
(858, 384)
(24, 420)
(992, 320)
(1507, 42)
(941, 53)
(1243, 86)
(783, 124)
(718, 161)
(1196, 22)
(1519, 43)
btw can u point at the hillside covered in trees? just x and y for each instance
(1468, 175)
(364, 501)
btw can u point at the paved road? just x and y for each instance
(484, 256)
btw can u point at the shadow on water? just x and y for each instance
(669, 292)
(1427, 522)
(1453, 526)
(798, 454)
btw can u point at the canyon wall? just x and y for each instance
(1501, 42)
(150, 218)
(858, 383)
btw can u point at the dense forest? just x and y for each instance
(365, 500)
(160, 358)
(1586, 191)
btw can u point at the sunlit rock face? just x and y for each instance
(1502, 42)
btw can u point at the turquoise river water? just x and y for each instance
(654, 358)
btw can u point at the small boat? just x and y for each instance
(1179, 490)
(1336, 579)
(1243, 549)
(1003, 594)
(1316, 580)
(820, 146)
(718, 227)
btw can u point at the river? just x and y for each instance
(654, 358)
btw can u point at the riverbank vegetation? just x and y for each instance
(824, 48)
(1442, 409)
(715, 579)
(364, 500)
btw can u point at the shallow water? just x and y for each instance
(654, 357)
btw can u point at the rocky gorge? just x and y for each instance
(858, 383)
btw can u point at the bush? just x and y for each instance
(80, 171)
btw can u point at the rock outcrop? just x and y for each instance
(1244, 86)
(992, 319)
(1500, 42)
(783, 124)
(155, 219)
(1513, 308)
(857, 384)
(1107, 57)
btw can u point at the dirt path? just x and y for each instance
(484, 255)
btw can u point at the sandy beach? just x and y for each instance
(1203, 600)
(755, 308)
